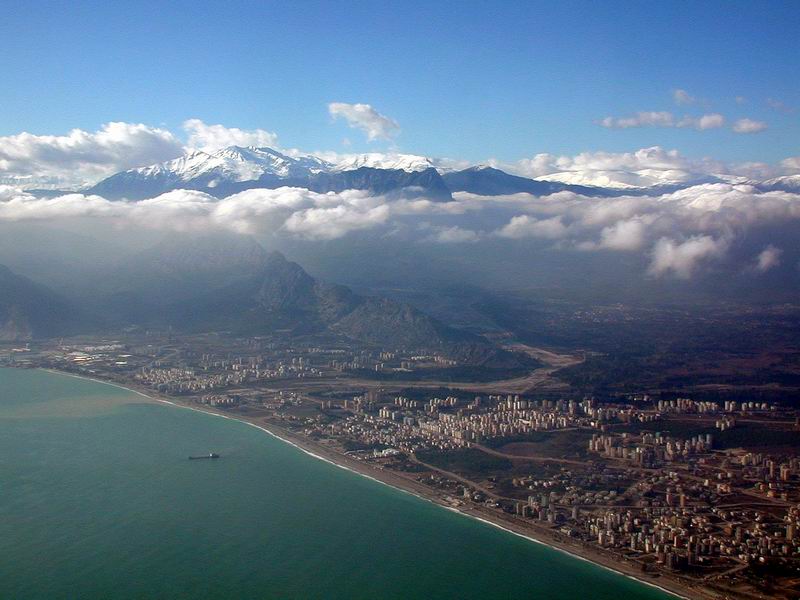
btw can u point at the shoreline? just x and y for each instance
(407, 486)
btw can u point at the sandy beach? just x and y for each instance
(407, 484)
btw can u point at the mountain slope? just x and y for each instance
(488, 181)
(179, 268)
(283, 296)
(426, 182)
(29, 310)
(786, 183)
(203, 171)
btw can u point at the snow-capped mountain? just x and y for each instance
(786, 183)
(245, 164)
(377, 160)
(234, 169)
(199, 170)
(627, 180)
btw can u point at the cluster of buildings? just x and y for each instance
(221, 374)
(685, 406)
(649, 449)
(670, 521)
(452, 423)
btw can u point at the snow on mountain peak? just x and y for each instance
(377, 160)
(234, 164)
(784, 182)
(624, 179)
(237, 167)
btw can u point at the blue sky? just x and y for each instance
(468, 80)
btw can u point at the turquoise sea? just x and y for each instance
(98, 500)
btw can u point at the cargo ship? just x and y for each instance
(209, 455)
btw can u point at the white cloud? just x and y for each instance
(780, 106)
(640, 119)
(791, 165)
(768, 258)
(749, 126)
(682, 97)
(642, 168)
(365, 118)
(523, 226)
(335, 222)
(710, 121)
(682, 259)
(294, 210)
(83, 156)
(665, 119)
(450, 235)
(624, 235)
(209, 138)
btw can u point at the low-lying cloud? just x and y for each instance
(682, 258)
(768, 258)
(678, 234)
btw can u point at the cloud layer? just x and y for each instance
(679, 234)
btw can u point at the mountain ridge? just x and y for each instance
(234, 169)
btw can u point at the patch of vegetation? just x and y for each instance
(423, 394)
(744, 435)
(466, 461)
(550, 444)
(353, 445)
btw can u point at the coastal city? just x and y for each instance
(688, 494)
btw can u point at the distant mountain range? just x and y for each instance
(235, 169)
